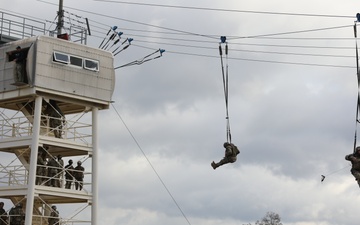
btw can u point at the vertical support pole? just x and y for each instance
(60, 23)
(94, 169)
(33, 161)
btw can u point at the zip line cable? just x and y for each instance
(265, 61)
(153, 168)
(226, 10)
(182, 31)
(251, 51)
(132, 21)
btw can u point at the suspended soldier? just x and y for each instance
(231, 152)
(355, 162)
(69, 174)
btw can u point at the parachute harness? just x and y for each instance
(225, 76)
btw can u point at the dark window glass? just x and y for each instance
(76, 61)
(61, 57)
(91, 65)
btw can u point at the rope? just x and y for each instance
(225, 77)
(151, 165)
(358, 78)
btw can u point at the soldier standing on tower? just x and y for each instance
(79, 176)
(69, 177)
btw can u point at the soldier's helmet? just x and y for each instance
(79, 162)
(70, 161)
(226, 144)
(53, 207)
(19, 205)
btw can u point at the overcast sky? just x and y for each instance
(292, 105)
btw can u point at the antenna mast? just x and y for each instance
(60, 18)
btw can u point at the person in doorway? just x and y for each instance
(355, 164)
(79, 176)
(54, 216)
(69, 174)
(19, 59)
(56, 117)
(231, 152)
(3, 215)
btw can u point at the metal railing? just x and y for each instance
(22, 126)
(18, 176)
(20, 27)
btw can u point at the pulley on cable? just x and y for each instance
(231, 150)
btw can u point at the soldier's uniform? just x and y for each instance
(54, 216)
(17, 216)
(59, 180)
(3, 215)
(79, 176)
(41, 169)
(355, 162)
(52, 171)
(56, 115)
(231, 152)
(69, 177)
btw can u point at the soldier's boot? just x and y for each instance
(214, 165)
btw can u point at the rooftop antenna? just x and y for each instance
(60, 23)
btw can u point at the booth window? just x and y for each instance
(61, 57)
(87, 64)
(91, 65)
(76, 61)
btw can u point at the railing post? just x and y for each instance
(13, 130)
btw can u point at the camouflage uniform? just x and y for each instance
(19, 58)
(79, 176)
(355, 162)
(17, 216)
(56, 115)
(54, 216)
(69, 177)
(3, 214)
(41, 169)
(231, 152)
(52, 171)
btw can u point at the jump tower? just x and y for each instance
(64, 77)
